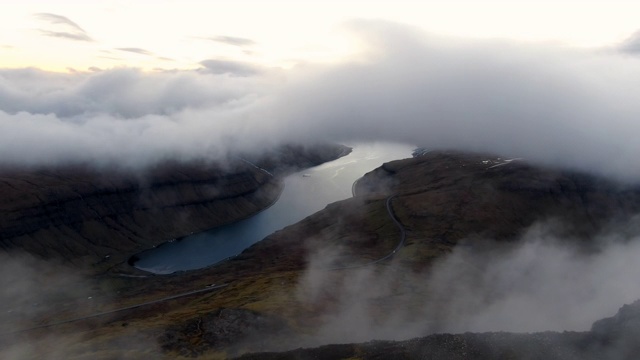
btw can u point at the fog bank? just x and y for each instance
(541, 283)
(544, 102)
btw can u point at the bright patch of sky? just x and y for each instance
(180, 34)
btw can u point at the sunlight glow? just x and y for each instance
(173, 34)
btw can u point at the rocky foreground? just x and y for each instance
(320, 281)
(610, 338)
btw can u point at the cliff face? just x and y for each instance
(99, 218)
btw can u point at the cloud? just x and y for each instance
(545, 283)
(539, 283)
(136, 51)
(231, 40)
(121, 93)
(122, 116)
(554, 105)
(631, 44)
(66, 35)
(72, 31)
(229, 67)
(36, 292)
(59, 19)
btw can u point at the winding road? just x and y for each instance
(403, 237)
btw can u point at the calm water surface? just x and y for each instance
(304, 193)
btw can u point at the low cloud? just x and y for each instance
(120, 93)
(236, 68)
(124, 116)
(542, 283)
(560, 106)
(549, 104)
(631, 45)
(65, 28)
(36, 292)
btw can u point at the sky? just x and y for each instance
(169, 34)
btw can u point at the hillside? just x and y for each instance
(319, 278)
(97, 218)
(343, 275)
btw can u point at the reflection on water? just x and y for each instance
(304, 193)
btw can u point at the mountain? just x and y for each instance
(348, 274)
(363, 269)
(95, 219)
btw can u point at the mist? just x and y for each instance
(539, 283)
(36, 292)
(545, 102)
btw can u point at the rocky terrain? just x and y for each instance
(319, 281)
(610, 338)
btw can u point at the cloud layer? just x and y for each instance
(121, 116)
(550, 104)
(547, 103)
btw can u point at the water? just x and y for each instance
(304, 193)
